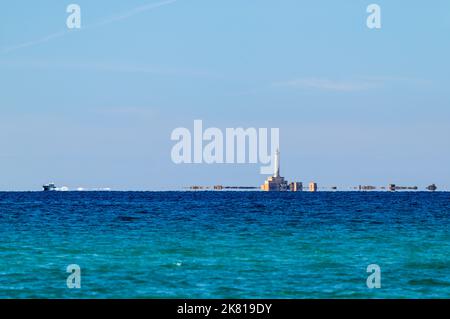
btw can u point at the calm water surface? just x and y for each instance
(224, 244)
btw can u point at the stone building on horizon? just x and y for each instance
(276, 182)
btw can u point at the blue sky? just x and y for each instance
(95, 107)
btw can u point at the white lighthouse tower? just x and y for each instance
(277, 164)
(275, 182)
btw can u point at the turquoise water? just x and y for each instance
(224, 244)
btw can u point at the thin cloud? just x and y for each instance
(126, 111)
(109, 66)
(353, 85)
(60, 34)
(328, 85)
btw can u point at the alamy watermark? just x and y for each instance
(73, 21)
(74, 279)
(374, 279)
(234, 146)
(374, 19)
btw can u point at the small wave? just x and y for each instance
(429, 282)
(127, 218)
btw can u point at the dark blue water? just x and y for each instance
(224, 244)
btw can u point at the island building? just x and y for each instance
(393, 188)
(367, 187)
(296, 186)
(275, 182)
(313, 187)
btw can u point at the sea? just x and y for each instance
(225, 244)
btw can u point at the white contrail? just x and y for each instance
(133, 12)
(120, 17)
(33, 42)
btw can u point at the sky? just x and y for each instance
(95, 107)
